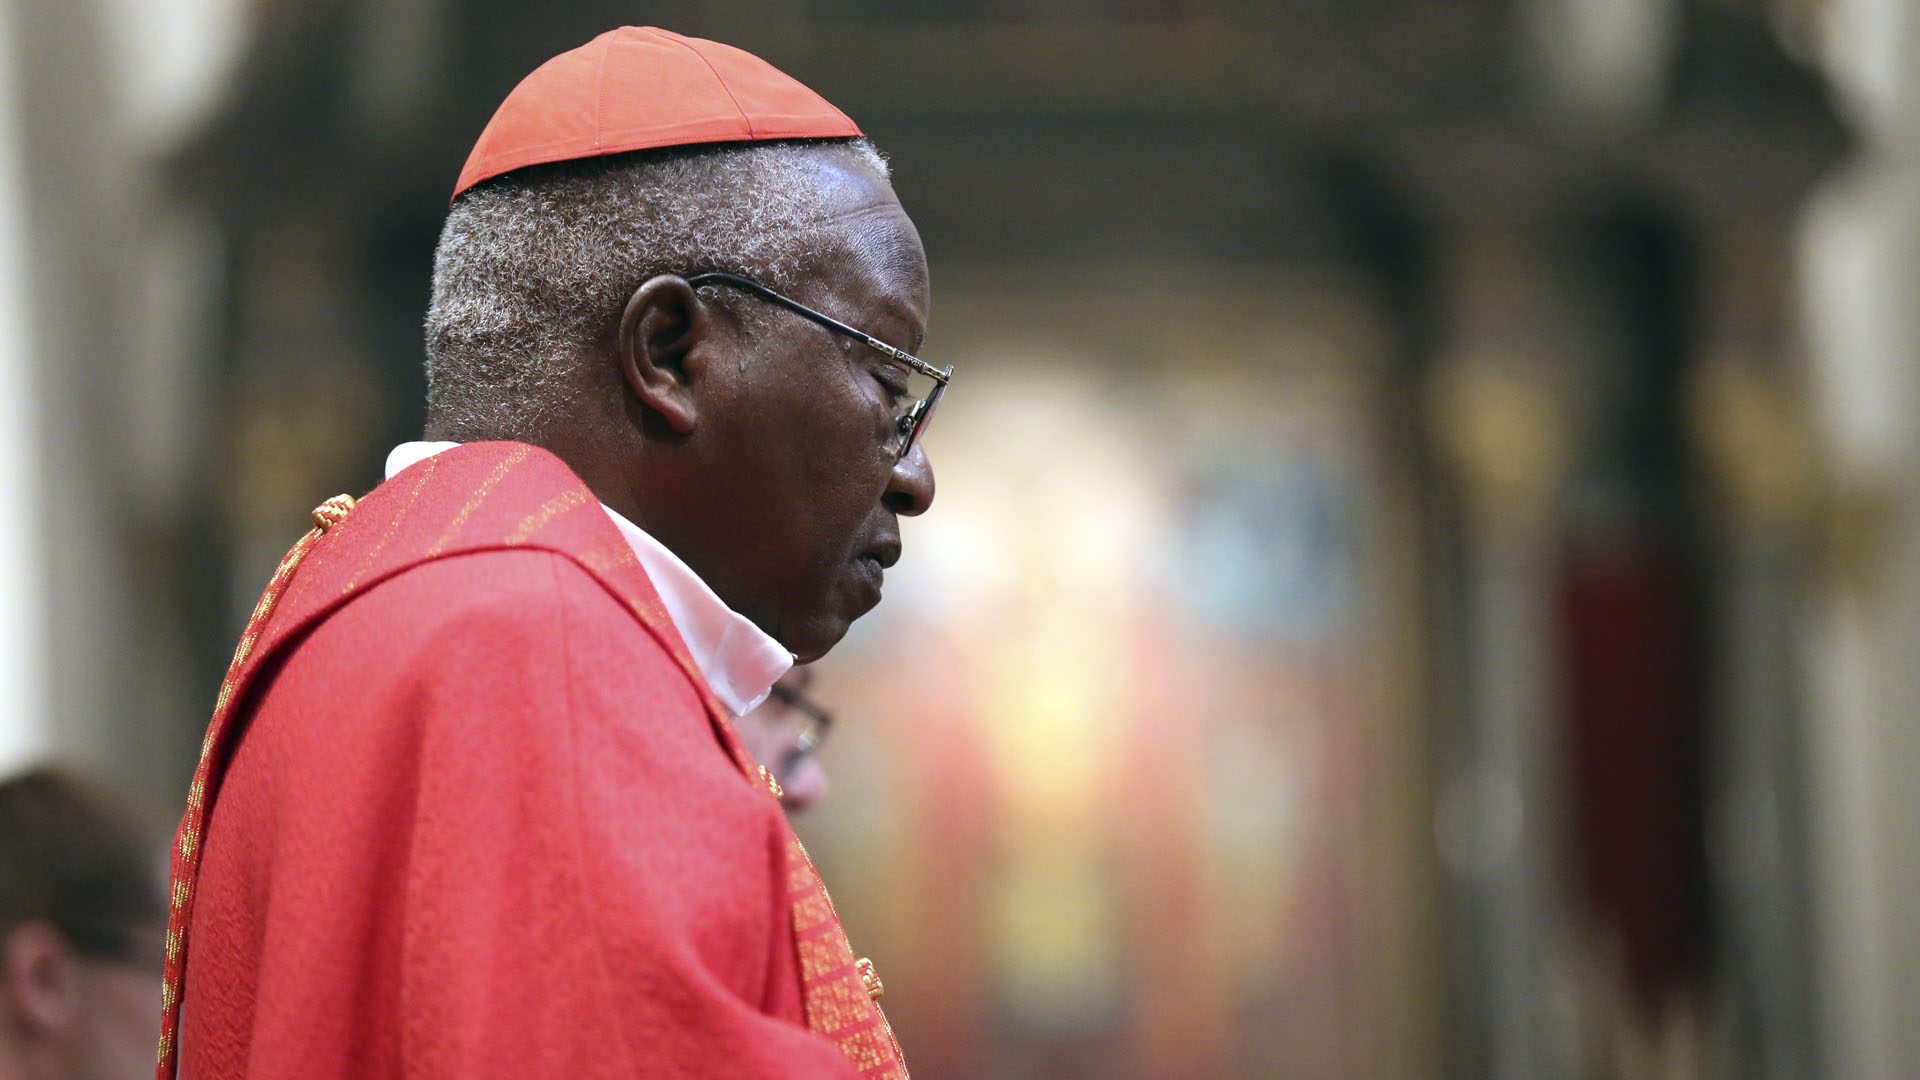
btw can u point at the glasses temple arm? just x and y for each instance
(802, 310)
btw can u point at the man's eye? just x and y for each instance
(894, 382)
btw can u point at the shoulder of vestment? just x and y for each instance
(465, 501)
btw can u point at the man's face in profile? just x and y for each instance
(784, 733)
(790, 511)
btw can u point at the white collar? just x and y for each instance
(739, 660)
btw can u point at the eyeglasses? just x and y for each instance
(102, 942)
(920, 389)
(815, 722)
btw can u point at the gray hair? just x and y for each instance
(534, 268)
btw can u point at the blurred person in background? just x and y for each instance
(82, 916)
(481, 807)
(785, 733)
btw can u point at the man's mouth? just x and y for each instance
(883, 555)
(872, 565)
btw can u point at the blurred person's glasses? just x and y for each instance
(141, 949)
(815, 722)
(919, 384)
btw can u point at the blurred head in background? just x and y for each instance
(82, 930)
(783, 734)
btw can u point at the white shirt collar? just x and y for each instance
(739, 660)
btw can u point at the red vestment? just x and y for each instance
(476, 814)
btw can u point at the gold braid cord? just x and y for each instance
(186, 848)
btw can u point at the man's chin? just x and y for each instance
(808, 647)
(811, 634)
(811, 638)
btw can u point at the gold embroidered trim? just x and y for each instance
(413, 496)
(192, 825)
(559, 504)
(869, 978)
(486, 488)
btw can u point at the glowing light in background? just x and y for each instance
(1111, 701)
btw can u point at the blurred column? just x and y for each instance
(1748, 418)
(24, 730)
(1861, 269)
(78, 241)
(99, 422)
(1498, 417)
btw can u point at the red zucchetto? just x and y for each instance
(641, 87)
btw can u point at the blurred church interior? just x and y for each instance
(1426, 576)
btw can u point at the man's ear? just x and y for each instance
(37, 978)
(662, 326)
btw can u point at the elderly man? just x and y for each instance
(81, 914)
(471, 802)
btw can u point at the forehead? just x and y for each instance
(876, 262)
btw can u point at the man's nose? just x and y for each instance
(910, 487)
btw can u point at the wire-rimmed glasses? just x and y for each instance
(923, 383)
(815, 722)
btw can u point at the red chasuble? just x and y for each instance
(467, 809)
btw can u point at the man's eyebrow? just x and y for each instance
(904, 314)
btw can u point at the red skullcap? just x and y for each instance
(641, 87)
